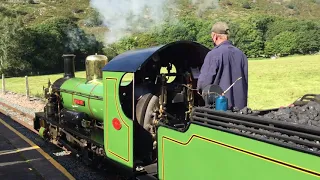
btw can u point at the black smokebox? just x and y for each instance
(68, 64)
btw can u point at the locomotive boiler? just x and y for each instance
(141, 110)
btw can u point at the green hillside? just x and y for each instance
(36, 11)
(35, 33)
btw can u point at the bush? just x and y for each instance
(246, 5)
(291, 6)
(257, 36)
(284, 43)
(94, 19)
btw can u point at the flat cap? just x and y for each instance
(220, 28)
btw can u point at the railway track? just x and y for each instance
(18, 116)
(23, 123)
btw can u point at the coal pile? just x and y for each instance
(306, 115)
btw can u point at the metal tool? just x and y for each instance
(231, 86)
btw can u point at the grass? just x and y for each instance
(36, 83)
(272, 83)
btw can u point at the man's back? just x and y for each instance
(223, 65)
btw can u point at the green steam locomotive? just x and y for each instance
(141, 111)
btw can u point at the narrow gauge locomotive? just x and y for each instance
(140, 110)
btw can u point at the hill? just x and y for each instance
(34, 12)
(35, 33)
(86, 13)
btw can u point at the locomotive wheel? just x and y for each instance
(153, 106)
(142, 107)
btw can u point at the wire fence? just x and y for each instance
(26, 82)
(31, 86)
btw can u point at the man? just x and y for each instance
(223, 65)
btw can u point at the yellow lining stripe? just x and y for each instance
(51, 160)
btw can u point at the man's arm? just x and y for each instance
(208, 70)
(246, 68)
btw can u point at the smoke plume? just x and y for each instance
(77, 39)
(124, 17)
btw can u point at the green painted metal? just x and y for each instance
(118, 143)
(97, 136)
(90, 92)
(41, 131)
(205, 153)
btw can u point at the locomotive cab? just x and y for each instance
(156, 87)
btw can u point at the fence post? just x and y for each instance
(3, 85)
(27, 87)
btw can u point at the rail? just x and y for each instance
(18, 115)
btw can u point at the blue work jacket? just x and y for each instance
(222, 66)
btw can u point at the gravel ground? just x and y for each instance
(71, 163)
(22, 103)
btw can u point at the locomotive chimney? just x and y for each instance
(68, 64)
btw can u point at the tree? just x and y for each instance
(308, 41)
(249, 39)
(204, 35)
(58, 36)
(284, 43)
(12, 46)
(170, 33)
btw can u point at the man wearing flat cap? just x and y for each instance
(223, 65)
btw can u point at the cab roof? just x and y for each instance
(132, 61)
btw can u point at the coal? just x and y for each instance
(307, 115)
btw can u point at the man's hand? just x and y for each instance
(198, 92)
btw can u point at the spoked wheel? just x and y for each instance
(152, 108)
(141, 107)
(145, 111)
(148, 123)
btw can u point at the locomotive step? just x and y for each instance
(20, 158)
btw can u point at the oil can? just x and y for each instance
(221, 103)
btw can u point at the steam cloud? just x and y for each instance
(123, 17)
(77, 40)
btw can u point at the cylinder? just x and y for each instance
(94, 65)
(221, 103)
(68, 64)
(50, 110)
